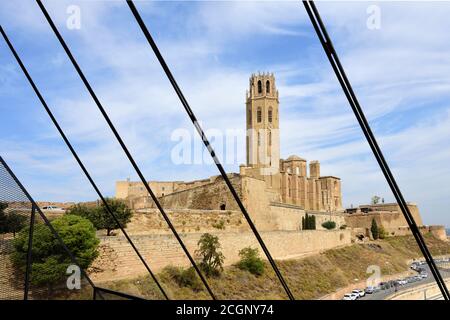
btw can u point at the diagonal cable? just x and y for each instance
(207, 144)
(328, 47)
(124, 147)
(46, 221)
(77, 158)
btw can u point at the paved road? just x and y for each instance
(381, 295)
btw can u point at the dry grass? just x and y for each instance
(308, 278)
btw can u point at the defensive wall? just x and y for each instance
(117, 259)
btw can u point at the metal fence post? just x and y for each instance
(29, 255)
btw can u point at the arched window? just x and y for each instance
(259, 139)
(267, 86)
(249, 116)
(270, 114)
(259, 86)
(259, 115)
(270, 138)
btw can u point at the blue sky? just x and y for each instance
(401, 74)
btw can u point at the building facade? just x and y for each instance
(286, 180)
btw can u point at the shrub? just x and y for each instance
(343, 227)
(329, 225)
(211, 258)
(184, 277)
(100, 216)
(374, 229)
(382, 234)
(219, 225)
(50, 260)
(251, 261)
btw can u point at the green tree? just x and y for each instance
(3, 224)
(313, 222)
(309, 222)
(251, 261)
(329, 225)
(15, 222)
(11, 222)
(375, 200)
(50, 260)
(374, 229)
(100, 216)
(83, 210)
(208, 251)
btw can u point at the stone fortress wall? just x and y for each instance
(390, 217)
(118, 260)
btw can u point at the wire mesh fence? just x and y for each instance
(36, 261)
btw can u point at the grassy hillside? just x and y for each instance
(308, 278)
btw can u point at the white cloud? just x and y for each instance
(402, 67)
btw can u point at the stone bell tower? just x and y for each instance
(263, 138)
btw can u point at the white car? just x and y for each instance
(359, 292)
(348, 296)
(355, 295)
(52, 208)
(424, 275)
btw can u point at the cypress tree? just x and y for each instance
(374, 229)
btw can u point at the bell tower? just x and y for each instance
(263, 138)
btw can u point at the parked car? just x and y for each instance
(369, 290)
(348, 296)
(355, 295)
(413, 279)
(401, 282)
(418, 278)
(424, 275)
(52, 208)
(359, 292)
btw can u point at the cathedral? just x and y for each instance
(288, 177)
(288, 181)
